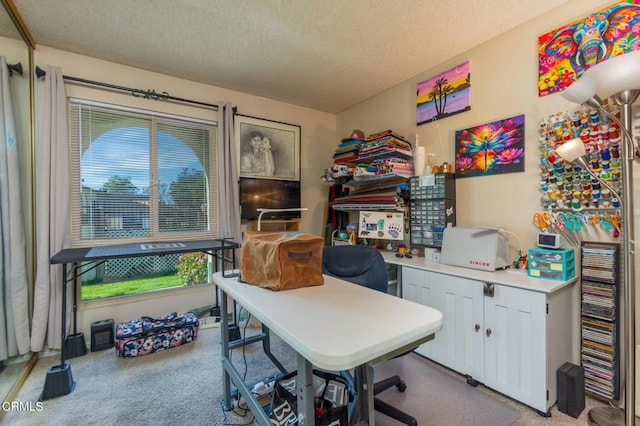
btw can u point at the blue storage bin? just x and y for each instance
(558, 264)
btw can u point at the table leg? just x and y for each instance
(59, 380)
(304, 383)
(365, 412)
(63, 332)
(224, 337)
(229, 372)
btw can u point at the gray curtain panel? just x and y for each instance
(52, 213)
(228, 176)
(14, 317)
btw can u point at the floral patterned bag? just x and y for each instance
(147, 335)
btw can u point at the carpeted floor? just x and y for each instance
(183, 386)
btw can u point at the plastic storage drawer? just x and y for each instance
(551, 264)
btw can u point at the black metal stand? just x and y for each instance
(215, 311)
(59, 382)
(75, 344)
(59, 379)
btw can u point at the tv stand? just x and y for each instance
(288, 225)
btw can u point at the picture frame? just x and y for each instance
(267, 149)
(603, 34)
(491, 148)
(444, 94)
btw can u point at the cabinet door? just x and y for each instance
(460, 342)
(416, 286)
(459, 345)
(515, 342)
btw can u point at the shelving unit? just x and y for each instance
(600, 354)
(336, 240)
(389, 156)
(431, 208)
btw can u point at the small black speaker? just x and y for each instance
(102, 335)
(561, 376)
(571, 389)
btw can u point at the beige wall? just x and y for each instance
(503, 84)
(318, 134)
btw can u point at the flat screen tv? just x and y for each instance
(269, 194)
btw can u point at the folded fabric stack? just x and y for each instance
(381, 165)
(338, 173)
(391, 165)
(384, 142)
(347, 150)
(364, 170)
(398, 166)
(388, 199)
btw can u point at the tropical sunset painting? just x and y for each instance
(445, 94)
(565, 53)
(491, 148)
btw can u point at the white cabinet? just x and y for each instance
(460, 301)
(515, 344)
(511, 339)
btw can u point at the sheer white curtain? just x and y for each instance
(14, 315)
(228, 190)
(52, 213)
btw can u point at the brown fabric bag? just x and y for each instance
(281, 261)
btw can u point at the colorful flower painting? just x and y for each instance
(491, 148)
(445, 94)
(567, 52)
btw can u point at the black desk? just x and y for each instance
(59, 380)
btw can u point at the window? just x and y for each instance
(137, 176)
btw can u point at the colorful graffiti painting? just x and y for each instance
(567, 52)
(491, 148)
(445, 94)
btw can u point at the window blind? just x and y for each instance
(136, 176)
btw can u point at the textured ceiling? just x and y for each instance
(327, 55)
(7, 29)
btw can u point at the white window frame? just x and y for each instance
(155, 235)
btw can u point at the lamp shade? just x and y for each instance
(571, 150)
(616, 74)
(580, 90)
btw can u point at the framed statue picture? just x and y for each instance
(267, 149)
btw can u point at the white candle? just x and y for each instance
(419, 157)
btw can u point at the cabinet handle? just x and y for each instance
(488, 332)
(489, 289)
(477, 327)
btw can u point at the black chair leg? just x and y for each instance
(388, 410)
(389, 382)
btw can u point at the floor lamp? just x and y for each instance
(618, 77)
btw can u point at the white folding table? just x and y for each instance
(336, 326)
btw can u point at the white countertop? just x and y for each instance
(337, 325)
(510, 277)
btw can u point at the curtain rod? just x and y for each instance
(146, 94)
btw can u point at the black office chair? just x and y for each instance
(365, 266)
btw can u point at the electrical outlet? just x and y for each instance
(209, 322)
